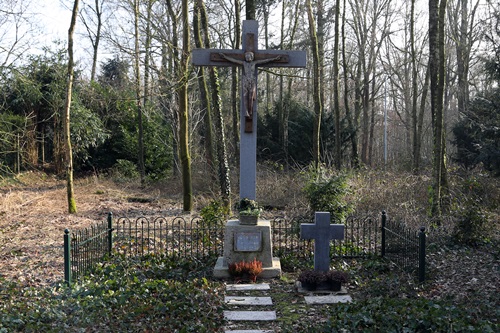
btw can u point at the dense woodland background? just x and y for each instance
(406, 85)
(397, 110)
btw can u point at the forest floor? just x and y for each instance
(33, 217)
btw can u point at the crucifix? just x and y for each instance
(249, 58)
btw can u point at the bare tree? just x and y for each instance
(66, 119)
(464, 34)
(437, 62)
(351, 117)
(368, 17)
(336, 93)
(216, 106)
(88, 14)
(234, 79)
(318, 106)
(293, 18)
(137, 72)
(250, 10)
(15, 20)
(185, 156)
(202, 83)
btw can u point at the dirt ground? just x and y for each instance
(33, 217)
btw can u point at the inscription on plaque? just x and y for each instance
(248, 241)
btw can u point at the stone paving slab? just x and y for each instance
(250, 315)
(328, 299)
(248, 300)
(253, 286)
(249, 331)
(298, 286)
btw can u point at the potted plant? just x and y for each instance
(254, 268)
(236, 270)
(311, 279)
(335, 279)
(249, 211)
(244, 270)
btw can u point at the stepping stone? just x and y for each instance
(250, 315)
(237, 300)
(249, 331)
(255, 286)
(328, 299)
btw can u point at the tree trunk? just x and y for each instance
(318, 107)
(365, 95)
(97, 39)
(205, 99)
(184, 114)
(137, 72)
(437, 80)
(372, 120)
(353, 130)
(414, 82)
(265, 10)
(336, 97)
(66, 119)
(283, 109)
(235, 86)
(175, 97)
(286, 96)
(420, 121)
(463, 47)
(147, 53)
(224, 177)
(250, 10)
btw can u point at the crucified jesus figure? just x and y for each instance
(249, 84)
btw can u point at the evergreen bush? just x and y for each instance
(327, 193)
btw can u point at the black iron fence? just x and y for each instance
(177, 236)
(361, 238)
(198, 239)
(85, 248)
(404, 246)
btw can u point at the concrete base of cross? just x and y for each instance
(246, 243)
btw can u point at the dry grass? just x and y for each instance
(33, 212)
(33, 208)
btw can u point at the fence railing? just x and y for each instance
(85, 248)
(361, 238)
(198, 239)
(405, 247)
(174, 237)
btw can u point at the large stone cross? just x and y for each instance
(322, 232)
(249, 58)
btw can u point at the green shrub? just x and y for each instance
(472, 226)
(469, 210)
(327, 193)
(124, 170)
(214, 213)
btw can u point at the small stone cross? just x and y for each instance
(322, 232)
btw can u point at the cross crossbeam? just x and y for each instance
(249, 58)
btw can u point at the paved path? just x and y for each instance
(254, 308)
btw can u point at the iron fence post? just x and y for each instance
(67, 257)
(384, 220)
(421, 255)
(110, 232)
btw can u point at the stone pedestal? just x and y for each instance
(248, 242)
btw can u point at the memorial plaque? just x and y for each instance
(248, 241)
